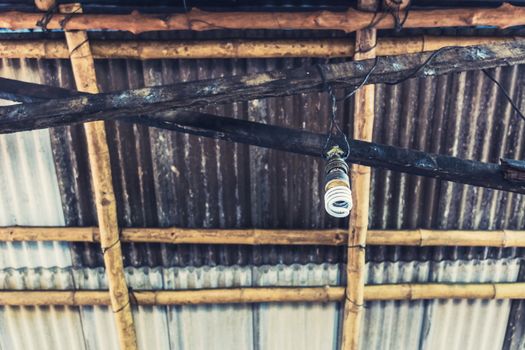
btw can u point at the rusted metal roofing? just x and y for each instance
(164, 178)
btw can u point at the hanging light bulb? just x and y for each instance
(337, 196)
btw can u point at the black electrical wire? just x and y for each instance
(333, 121)
(335, 125)
(422, 66)
(363, 82)
(505, 93)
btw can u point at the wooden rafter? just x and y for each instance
(351, 20)
(329, 47)
(99, 161)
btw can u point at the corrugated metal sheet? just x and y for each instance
(438, 324)
(164, 178)
(29, 193)
(407, 325)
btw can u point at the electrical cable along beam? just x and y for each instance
(149, 100)
(409, 161)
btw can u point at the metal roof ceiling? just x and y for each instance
(163, 178)
(452, 324)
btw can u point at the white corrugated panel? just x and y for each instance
(98, 324)
(52, 327)
(29, 193)
(394, 324)
(206, 327)
(150, 317)
(469, 324)
(387, 325)
(435, 325)
(296, 326)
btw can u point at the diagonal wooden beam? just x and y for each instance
(99, 161)
(365, 44)
(276, 83)
(504, 177)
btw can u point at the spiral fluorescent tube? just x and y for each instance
(338, 196)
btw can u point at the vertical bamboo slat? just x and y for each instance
(363, 125)
(84, 71)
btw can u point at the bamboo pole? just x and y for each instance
(426, 238)
(86, 81)
(365, 44)
(445, 291)
(45, 5)
(330, 237)
(422, 291)
(351, 20)
(57, 49)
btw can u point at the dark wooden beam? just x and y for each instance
(443, 167)
(145, 101)
(20, 91)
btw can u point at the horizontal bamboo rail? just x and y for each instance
(57, 49)
(351, 20)
(174, 235)
(269, 295)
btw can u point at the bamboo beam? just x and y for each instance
(422, 291)
(444, 291)
(144, 50)
(86, 81)
(330, 237)
(365, 44)
(351, 20)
